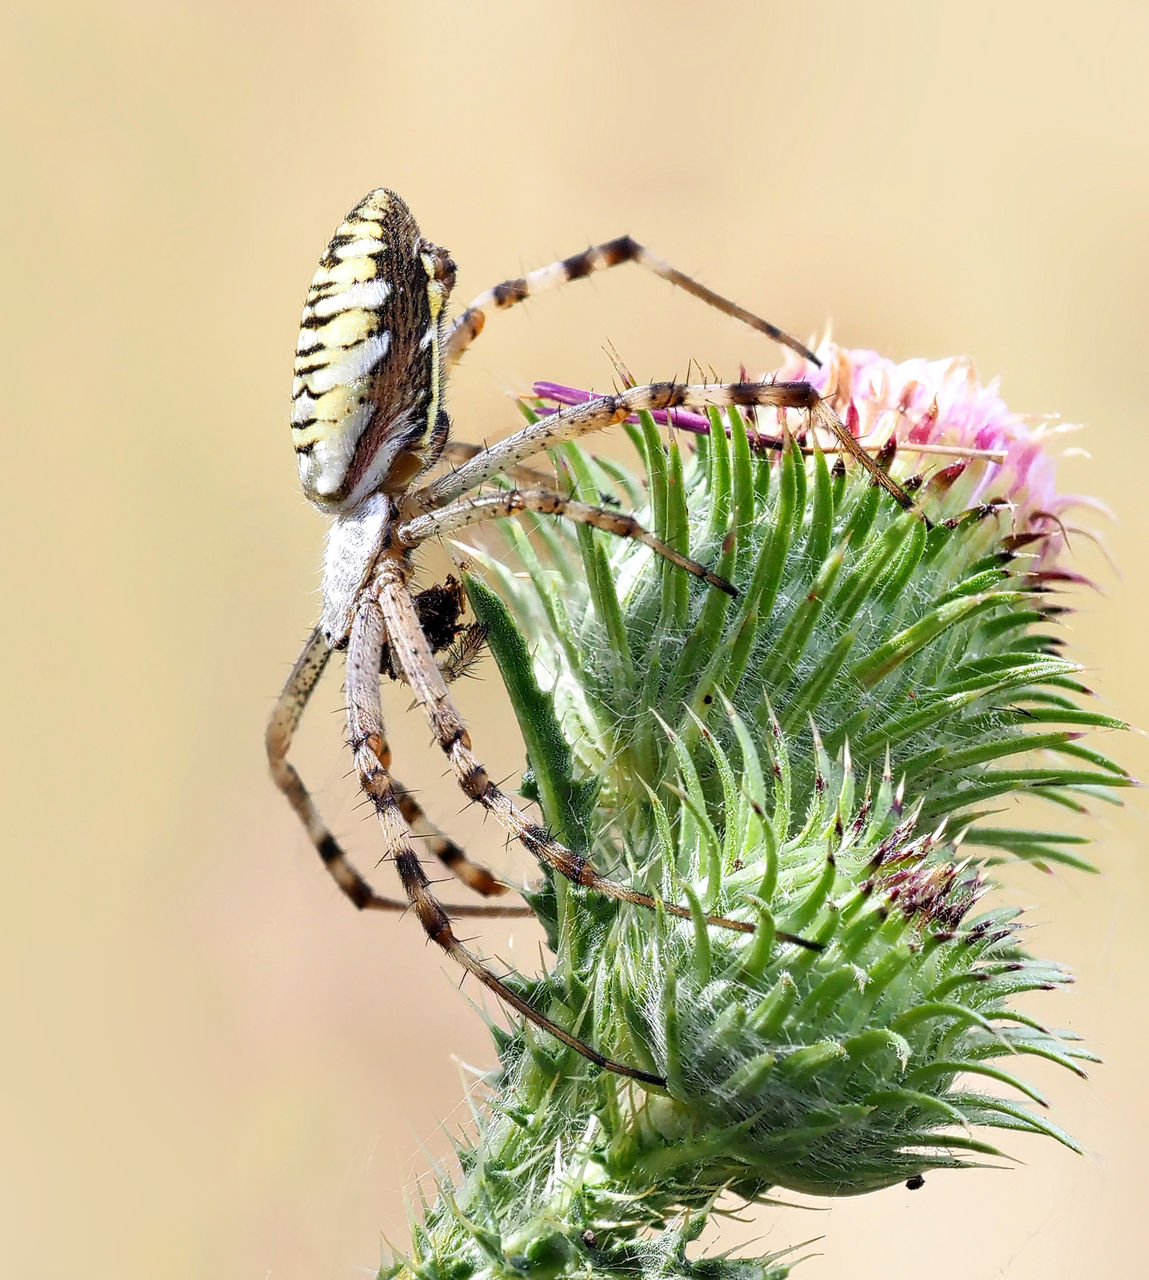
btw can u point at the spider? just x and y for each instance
(369, 425)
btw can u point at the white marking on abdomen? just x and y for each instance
(358, 362)
(358, 248)
(368, 294)
(301, 409)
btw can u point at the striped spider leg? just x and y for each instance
(368, 420)
(577, 420)
(281, 728)
(372, 763)
(599, 257)
(509, 502)
(613, 253)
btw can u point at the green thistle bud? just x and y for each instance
(817, 758)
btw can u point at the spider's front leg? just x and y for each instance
(372, 764)
(600, 257)
(574, 421)
(509, 502)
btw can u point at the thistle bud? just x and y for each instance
(815, 761)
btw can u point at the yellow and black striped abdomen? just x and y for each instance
(368, 376)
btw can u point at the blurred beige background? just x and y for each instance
(211, 1066)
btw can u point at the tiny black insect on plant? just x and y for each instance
(369, 427)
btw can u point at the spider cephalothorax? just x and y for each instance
(369, 427)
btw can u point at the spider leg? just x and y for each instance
(281, 727)
(413, 656)
(576, 420)
(473, 874)
(495, 506)
(372, 759)
(612, 253)
(457, 452)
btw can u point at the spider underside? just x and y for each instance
(369, 427)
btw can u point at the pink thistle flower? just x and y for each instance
(943, 404)
(994, 454)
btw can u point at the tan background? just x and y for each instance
(210, 1065)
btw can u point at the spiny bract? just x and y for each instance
(821, 756)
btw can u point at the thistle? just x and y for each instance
(826, 757)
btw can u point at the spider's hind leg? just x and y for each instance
(411, 650)
(473, 874)
(372, 756)
(281, 728)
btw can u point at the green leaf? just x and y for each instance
(568, 804)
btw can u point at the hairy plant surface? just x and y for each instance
(825, 756)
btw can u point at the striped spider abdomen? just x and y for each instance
(368, 389)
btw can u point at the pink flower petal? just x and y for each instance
(932, 402)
